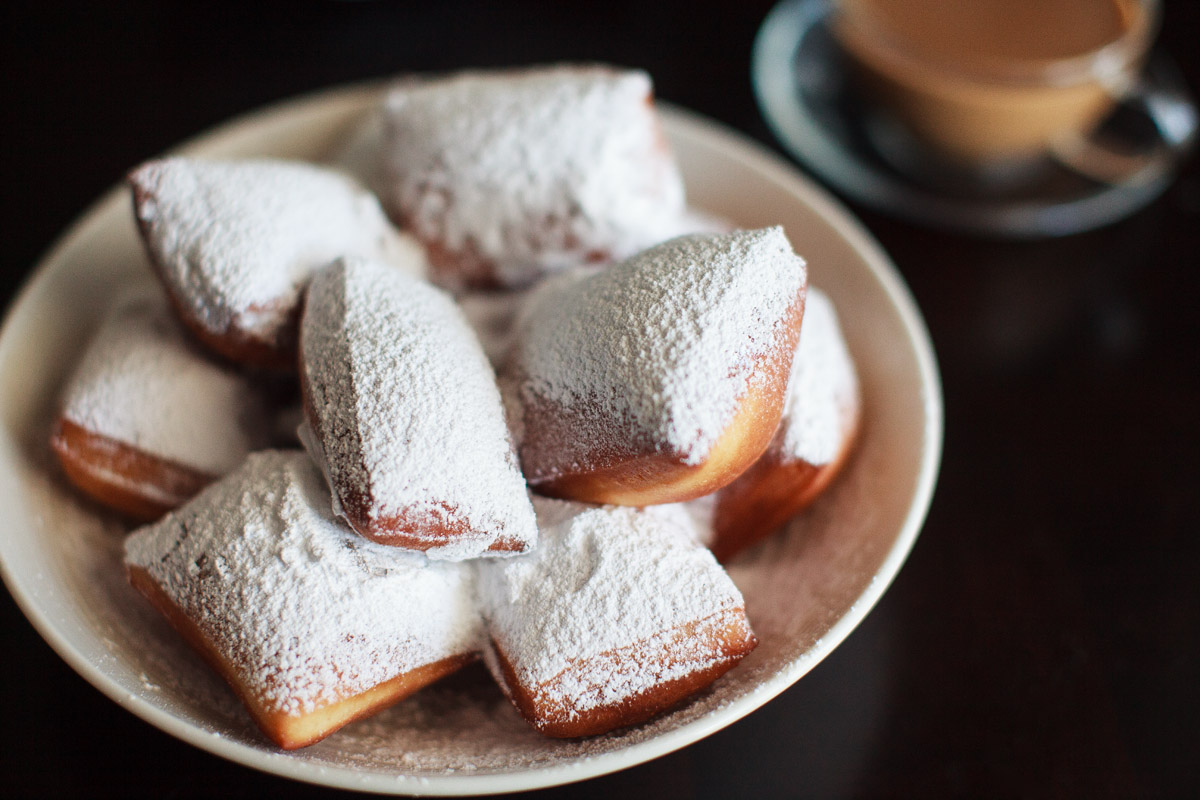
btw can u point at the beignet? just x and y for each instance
(406, 418)
(311, 625)
(147, 420)
(820, 424)
(619, 614)
(663, 377)
(235, 242)
(509, 175)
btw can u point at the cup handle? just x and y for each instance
(1152, 127)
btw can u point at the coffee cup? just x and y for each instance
(994, 86)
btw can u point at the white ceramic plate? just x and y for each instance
(805, 589)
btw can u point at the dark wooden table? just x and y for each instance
(1043, 638)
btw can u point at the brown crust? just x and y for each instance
(240, 346)
(121, 476)
(626, 474)
(733, 642)
(236, 344)
(769, 494)
(459, 270)
(423, 532)
(291, 731)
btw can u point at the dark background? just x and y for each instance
(1043, 638)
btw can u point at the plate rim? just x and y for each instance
(680, 122)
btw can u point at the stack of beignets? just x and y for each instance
(637, 369)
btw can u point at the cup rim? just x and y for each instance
(1108, 64)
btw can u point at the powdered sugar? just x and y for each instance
(407, 408)
(532, 170)
(307, 611)
(822, 400)
(797, 589)
(141, 383)
(235, 242)
(605, 578)
(663, 345)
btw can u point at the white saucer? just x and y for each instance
(805, 589)
(800, 81)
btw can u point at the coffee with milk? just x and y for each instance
(988, 81)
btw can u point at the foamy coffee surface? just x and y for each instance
(988, 34)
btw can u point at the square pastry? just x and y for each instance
(311, 624)
(618, 615)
